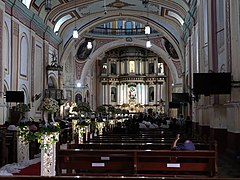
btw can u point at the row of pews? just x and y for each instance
(8, 144)
(147, 153)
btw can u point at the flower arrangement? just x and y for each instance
(50, 105)
(25, 134)
(52, 131)
(22, 108)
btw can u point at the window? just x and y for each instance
(60, 22)
(27, 3)
(132, 66)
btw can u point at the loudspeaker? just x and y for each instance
(14, 96)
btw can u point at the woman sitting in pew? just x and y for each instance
(182, 143)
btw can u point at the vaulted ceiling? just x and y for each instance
(167, 15)
(171, 18)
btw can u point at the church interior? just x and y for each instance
(114, 75)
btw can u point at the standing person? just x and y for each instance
(182, 143)
(181, 123)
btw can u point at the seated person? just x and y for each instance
(181, 143)
(142, 125)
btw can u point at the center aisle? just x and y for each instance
(34, 169)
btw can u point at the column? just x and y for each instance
(118, 94)
(122, 95)
(15, 47)
(146, 94)
(156, 66)
(146, 67)
(163, 91)
(155, 93)
(159, 93)
(103, 94)
(106, 93)
(125, 94)
(136, 66)
(137, 93)
(125, 66)
(142, 65)
(118, 67)
(140, 94)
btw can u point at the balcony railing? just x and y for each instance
(120, 32)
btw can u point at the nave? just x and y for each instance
(118, 144)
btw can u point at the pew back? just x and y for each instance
(136, 162)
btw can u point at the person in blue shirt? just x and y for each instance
(181, 143)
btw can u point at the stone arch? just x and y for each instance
(141, 43)
(24, 51)
(52, 80)
(166, 29)
(26, 93)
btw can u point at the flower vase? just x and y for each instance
(45, 117)
(52, 117)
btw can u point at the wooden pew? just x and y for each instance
(11, 144)
(136, 162)
(135, 140)
(23, 177)
(129, 145)
(3, 149)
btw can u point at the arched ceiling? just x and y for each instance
(168, 17)
(64, 13)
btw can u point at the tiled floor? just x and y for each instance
(228, 167)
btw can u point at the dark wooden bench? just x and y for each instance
(23, 177)
(11, 144)
(3, 149)
(136, 162)
(132, 145)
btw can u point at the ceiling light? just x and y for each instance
(148, 44)
(75, 33)
(89, 45)
(147, 29)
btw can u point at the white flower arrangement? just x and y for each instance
(50, 105)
